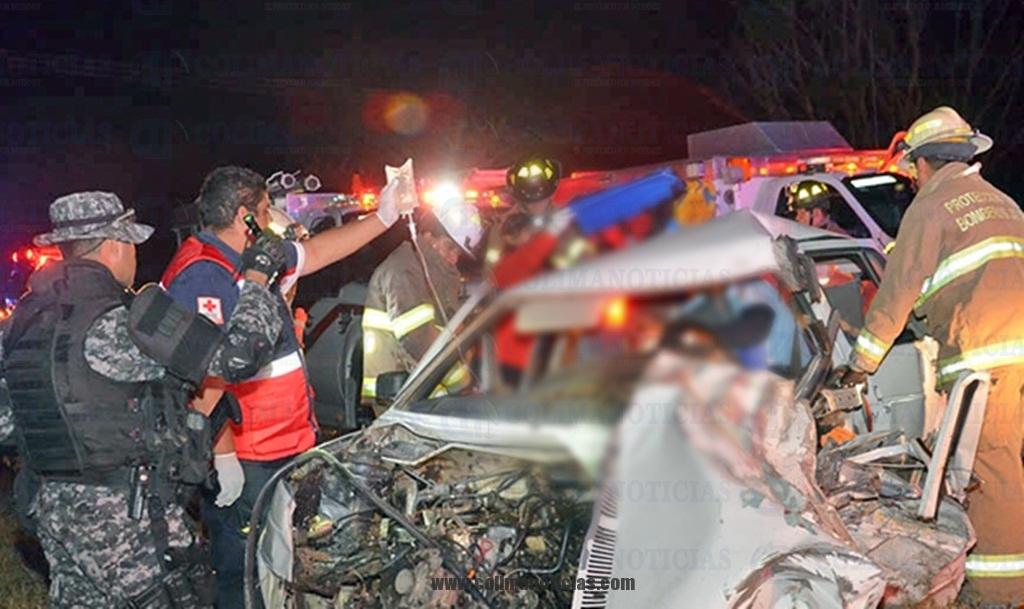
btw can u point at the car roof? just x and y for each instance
(728, 248)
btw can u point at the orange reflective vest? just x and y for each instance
(277, 420)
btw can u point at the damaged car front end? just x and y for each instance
(446, 498)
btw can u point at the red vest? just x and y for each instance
(277, 420)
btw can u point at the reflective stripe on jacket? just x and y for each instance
(995, 565)
(400, 320)
(959, 264)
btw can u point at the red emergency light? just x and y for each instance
(616, 313)
(36, 257)
(741, 169)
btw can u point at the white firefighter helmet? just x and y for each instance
(943, 126)
(461, 221)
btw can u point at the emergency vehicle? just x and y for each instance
(755, 166)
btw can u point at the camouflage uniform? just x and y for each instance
(98, 555)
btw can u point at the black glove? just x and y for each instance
(845, 376)
(266, 255)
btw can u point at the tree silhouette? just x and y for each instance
(872, 66)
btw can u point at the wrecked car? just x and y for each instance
(508, 481)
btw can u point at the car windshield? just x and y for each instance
(885, 196)
(597, 367)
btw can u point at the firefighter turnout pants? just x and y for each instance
(995, 568)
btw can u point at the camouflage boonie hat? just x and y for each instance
(92, 215)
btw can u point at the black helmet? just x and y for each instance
(809, 195)
(533, 179)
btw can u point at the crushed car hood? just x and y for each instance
(541, 442)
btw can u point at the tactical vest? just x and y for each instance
(74, 424)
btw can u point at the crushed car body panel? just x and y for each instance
(720, 499)
(773, 523)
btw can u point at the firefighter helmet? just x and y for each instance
(461, 221)
(534, 179)
(944, 134)
(809, 195)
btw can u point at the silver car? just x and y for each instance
(506, 494)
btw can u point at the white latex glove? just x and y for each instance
(230, 477)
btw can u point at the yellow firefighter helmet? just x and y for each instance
(943, 125)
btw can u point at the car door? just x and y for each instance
(901, 394)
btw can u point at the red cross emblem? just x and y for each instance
(209, 307)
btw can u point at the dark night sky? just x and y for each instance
(144, 97)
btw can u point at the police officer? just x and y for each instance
(410, 298)
(99, 382)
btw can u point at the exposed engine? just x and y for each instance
(463, 526)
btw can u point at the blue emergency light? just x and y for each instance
(596, 212)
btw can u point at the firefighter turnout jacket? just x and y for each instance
(959, 264)
(400, 320)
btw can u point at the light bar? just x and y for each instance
(873, 181)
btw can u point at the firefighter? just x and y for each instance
(959, 264)
(532, 183)
(401, 318)
(811, 204)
